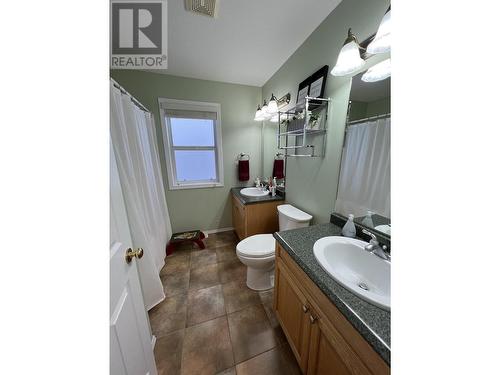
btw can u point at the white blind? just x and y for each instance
(182, 113)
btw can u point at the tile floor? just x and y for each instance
(211, 322)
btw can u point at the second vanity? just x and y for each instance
(254, 215)
(330, 329)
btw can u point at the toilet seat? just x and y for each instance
(256, 246)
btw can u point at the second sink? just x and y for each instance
(253, 192)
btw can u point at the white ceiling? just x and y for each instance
(246, 43)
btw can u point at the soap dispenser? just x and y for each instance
(349, 230)
(368, 221)
(272, 186)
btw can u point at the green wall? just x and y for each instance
(207, 208)
(378, 107)
(358, 110)
(361, 110)
(311, 183)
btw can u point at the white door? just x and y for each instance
(131, 346)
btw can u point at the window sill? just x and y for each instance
(196, 186)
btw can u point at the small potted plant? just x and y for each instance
(313, 122)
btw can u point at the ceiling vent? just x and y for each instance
(206, 7)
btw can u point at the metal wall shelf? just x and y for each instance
(301, 132)
(296, 122)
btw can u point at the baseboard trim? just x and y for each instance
(212, 231)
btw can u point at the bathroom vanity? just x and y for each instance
(330, 330)
(254, 215)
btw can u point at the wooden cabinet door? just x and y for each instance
(239, 219)
(329, 354)
(262, 218)
(292, 312)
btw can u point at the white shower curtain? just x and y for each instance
(133, 137)
(365, 174)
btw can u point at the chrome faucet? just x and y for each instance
(374, 248)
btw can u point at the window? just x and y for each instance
(192, 139)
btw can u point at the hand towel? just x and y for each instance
(278, 168)
(244, 170)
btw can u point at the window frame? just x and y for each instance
(169, 148)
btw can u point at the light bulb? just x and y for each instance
(349, 60)
(265, 112)
(265, 108)
(258, 114)
(378, 72)
(382, 41)
(273, 105)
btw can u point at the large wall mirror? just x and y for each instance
(364, 188)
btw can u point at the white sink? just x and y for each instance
(253, 192)
(364, 274)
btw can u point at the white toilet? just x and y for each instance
(257, 252)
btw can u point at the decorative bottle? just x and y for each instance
(367, 221)
(349, 229)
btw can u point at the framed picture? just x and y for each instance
(313, 86)
(303, 92)
(317, 82)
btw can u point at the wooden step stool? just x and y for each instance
(195, 236)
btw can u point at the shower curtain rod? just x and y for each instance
(368, 119)
(134, 100)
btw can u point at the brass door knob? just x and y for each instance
(131, 253)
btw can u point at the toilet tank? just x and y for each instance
(291, 217)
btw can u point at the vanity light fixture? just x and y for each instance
(270, 111)
(349, 59)
(378, 72)
(272, 108)
(382, 41)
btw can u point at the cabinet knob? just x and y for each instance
(312, 318)
(305, 308)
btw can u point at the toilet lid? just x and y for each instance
(257, 246)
